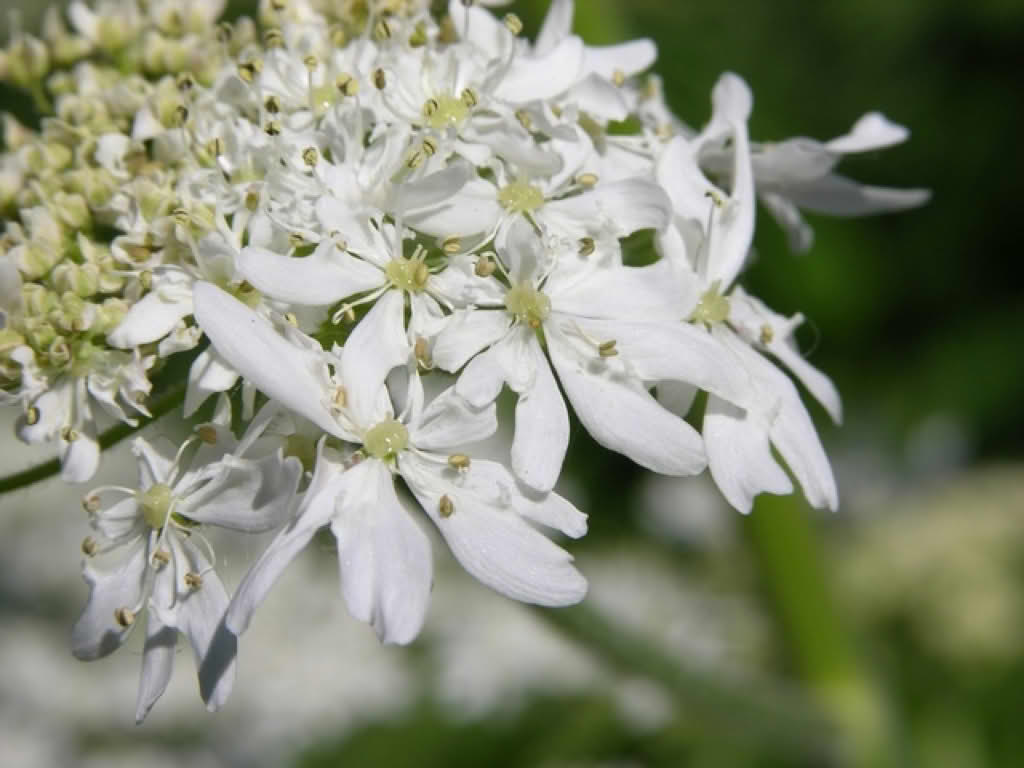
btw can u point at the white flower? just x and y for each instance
(145, 555)
(384, 556)
(707, 247)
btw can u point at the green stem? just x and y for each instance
(781, 536)
(114, 435)
(734, 709)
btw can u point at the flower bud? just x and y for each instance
(28, 61)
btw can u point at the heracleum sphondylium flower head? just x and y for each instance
(335, 204)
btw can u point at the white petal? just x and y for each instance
(472, 210)
(493, 542)
(252, 347)
(481, 381)
(838, 196)
(378, 344)
(557, 26)
(619, 293)
(433, 189)
(207, 375)
(449, 423)
(247, 495)
(383, 556)
(872, 131)
(629, 58)
(325, 276)
(97, 633)
(542, 428)
(151, 318)
(545, 76)
(318, 505)
(199, 616)
(80, 458)
(622, 416)
(157, 664)
(466, 333)
(630, 205)
(799, 235)
(155, 460)
(598, 97)
(740, 455)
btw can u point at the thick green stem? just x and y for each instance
(163, 405)
(782, 539)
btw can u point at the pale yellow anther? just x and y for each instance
(91, 503)
(484, 267)
(89, 546)
(520, 197)
(272, 105)
(469, 97)
(32, 416)
(296, 240)
(587, 246)
(273, 128)
(386, 440)
(421, 350)
(767, 334)
(69, 434)
(529, 305)
(273, 38)
(340, 397)
(193, 580)
(513, 23)
(382, 30)
(586, 179)
(618, 77)
(311, 62)
(445, 111)
(446, 507)
(310, 156)
(430, 146)
(208, 434)
(215, 147)
(524, 119)
(451, 244)
(415, 159)
(459, 461)
(156, 504)
(607, 349)
(291, 319)
(124, 617)
(161, 558)
(346, 84)
(380, 79)
(408, 274)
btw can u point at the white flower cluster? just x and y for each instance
(357, 198)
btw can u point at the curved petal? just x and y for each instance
(545, 76)
(157, 665)
(97, 633)
(251, 345)
(384, 557)
(629, 58)
(207, 375)
(872, 131)
(557, 26)
(79, 458)
(542, 428)
(839, 196)
(325, 276)
(449, 423)
(629, 205)
(622, 416)
(490, 540)
(151, 318)
(466, 333)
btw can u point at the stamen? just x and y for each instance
(125, 617)
(161, 558)
(272, 105)
(193, 580)
(618, 77)
(91, 503)
(89, 546)
(340, 397)
(207, 434)
(380, 79)
(451, 244)
(607, 348)
(484, 266)
(273, 128)
(513, 23)
(587, 246)
(421, 350)
(32, 416)
(310, 156)
(459, 461)
(767, 334)
(273, 38)
(69, 434)
(586, 179)
(446, 506)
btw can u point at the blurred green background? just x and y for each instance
(886, 635)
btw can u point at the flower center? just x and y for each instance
(408, 274)
(444, 111)
(520, 197)
(155, 502)
(386, 440)
(528, 304)
(713, 307)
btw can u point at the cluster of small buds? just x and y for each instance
(368, 222)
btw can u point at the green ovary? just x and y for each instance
(713, 307)
(528, 304)
(155, 503)
(408, 274)
(520, 197)
(386, 440)
(448, 112)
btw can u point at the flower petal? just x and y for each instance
(208, 374)
(466, 333)
(542, 428)
(872, 131)
(250, 345)
(97, 633)
(157, 665)
(384, 557)
(491, 541)
(839, 196)
(325, 276)
(449, 423)
(542, 77)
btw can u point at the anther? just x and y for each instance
(484, 267)
(193, 580)
(125, 617)
(469, 97)
(311, 62)
(767, 334)
(349, 314)
(607, 349)
(382, 30)
(273, 128)
(446, 506)
(185, 82)
(89, 546)
(273, 38)
(91, 503)
(587, 246)
(430, 106)
(161, 558)
(458, 461)
(291, 319)
(181, 114)
(586, 179)
(69, 434)
(146, 279)
(224, 32)
(524, 119)
(207, 434)
(451, 244)
(421, 350)
(32, 416)
(215, 146)
(430, 146)
(513, 23)
(278, 5)
(310, 156)
(380, 79)
(340, 397)
(272, 105)
(618, 77)
(346, 84)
